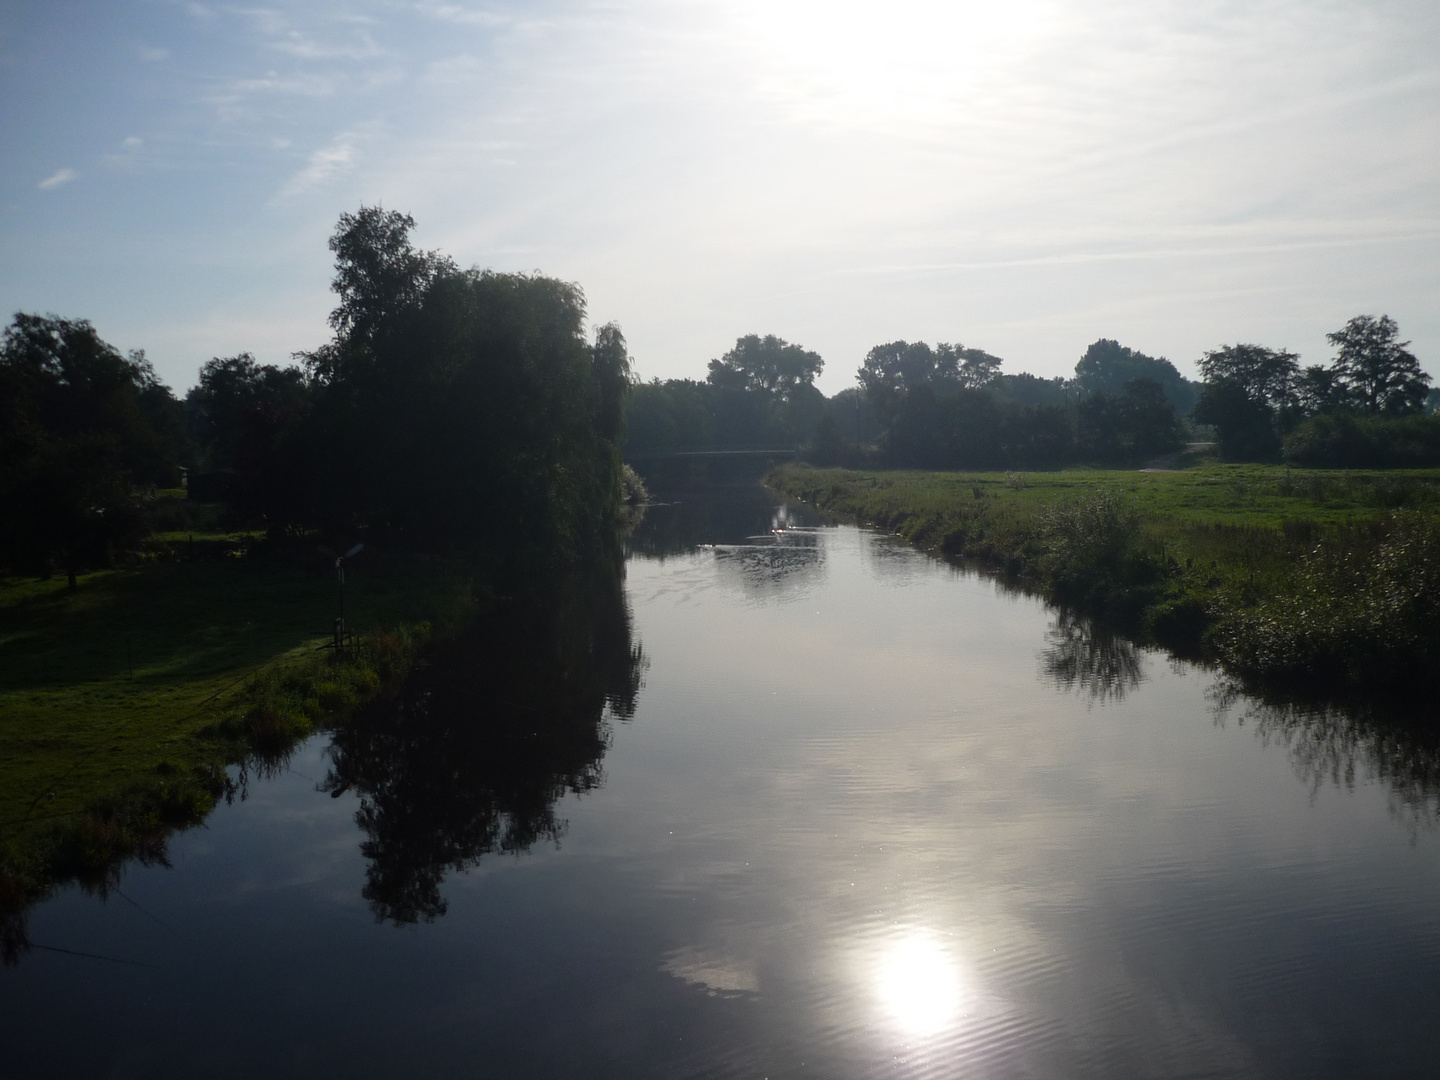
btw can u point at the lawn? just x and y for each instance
(119, 679)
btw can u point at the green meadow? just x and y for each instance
(142, 672)
(1327, 576)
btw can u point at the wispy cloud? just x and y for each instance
(285, 37)
(470, 16)
(129, 154)
(323, 166)
(153, 55)
(58, 177)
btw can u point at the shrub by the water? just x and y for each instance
(1357, 612)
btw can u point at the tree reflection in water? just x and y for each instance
(474, 756)
(1394, 743)
(1081, 655)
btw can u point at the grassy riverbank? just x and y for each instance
(1324, 576)
(122, 703)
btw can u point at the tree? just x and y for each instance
(1108, 366)
(763, 390)
(1319, 390)
(894, 369)
(968, 368)
(378, 272)
(1129, 427)
(242, 417)
(1249, 396)
(78, 433)
(1379, 373)
(238, 408)
(1265, 375)
(768, 365)
(664, 417)
(462, 410)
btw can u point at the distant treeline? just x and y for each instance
(453, 410)
(952, 407)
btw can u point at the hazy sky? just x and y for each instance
(1024, 176)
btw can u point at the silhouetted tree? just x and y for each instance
(1108, 366)
(768, 365)
(1379, 373)
(897, 367)
(81, 426)
(1125, 428)
(663, 417)
(1318, 389)
(763, 391)
(1250, 397)
(243, 417)
(462, 409)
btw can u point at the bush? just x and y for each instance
(1344, 441)
(1360, 612)
(1094, 555)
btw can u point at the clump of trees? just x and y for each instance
(84, 431)
(1108, 367)
(759, 394)
(1363, 409)
(461, 410)
(921, 406)
(951, 407)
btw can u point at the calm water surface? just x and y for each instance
(869, 815)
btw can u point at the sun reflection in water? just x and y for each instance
(919, 985)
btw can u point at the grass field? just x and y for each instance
(1277, 572)
(107, 685)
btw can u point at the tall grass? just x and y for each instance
(1360, 608)
(1321, 584)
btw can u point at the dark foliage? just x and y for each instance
(1133, 426)
(1379, 373)
(460, 410)
(1346, 415)
(1346, 441)
(760, 395)
(82, 430)
(1108, 367)
(242, 419)
(1249, 397)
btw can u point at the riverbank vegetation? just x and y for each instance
(456, 440)
(1330, 579)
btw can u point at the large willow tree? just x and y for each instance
(462, 409)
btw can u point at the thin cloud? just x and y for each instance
(455, 13)
(323, 166)
(58, 177)
(154, 55)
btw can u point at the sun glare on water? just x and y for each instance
(919, 985)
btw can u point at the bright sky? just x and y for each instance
(1023, 176)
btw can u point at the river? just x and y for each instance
(801, 801)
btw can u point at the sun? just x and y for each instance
(861, 60)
